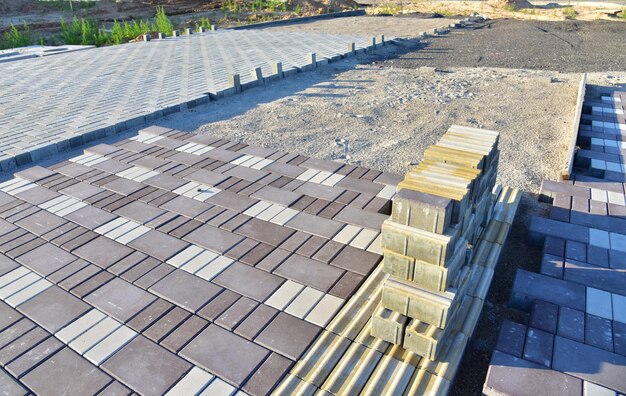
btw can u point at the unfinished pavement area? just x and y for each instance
(89, 94)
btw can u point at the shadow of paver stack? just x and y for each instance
(441, 209)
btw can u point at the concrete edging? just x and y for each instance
(571, 151)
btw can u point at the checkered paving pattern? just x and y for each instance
(52, 103)
(178, 263)
(575, 340)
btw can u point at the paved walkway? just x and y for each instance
(50, 104)
(174, 262)
(575, 340)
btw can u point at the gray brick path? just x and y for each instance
(52, 103)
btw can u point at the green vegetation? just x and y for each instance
(623, 14)
(15, 37)
(512, 7)
(569, 12)
(203, 23)
(162, 22)
(390, 9)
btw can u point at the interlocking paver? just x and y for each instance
(288, 335)
(120, 299)
(185, 290)
(146, 367)
(231, 357)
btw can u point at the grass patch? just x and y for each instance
(389, 9)
(511, 7)
(569, 13)
(203, 23)
(15, 38)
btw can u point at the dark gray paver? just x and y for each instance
(515, 376)
(53, 308)
(249, 281)
(120, 299)
(288, 335)
(185, 290)
(146, 367)
(66, 373)
(232, 358)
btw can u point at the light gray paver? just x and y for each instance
(88, 95)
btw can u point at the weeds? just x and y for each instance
(569, 13)
(162, 22)
(511, 7)
(389, 9)
(623, 14)
(203, 23)
(15, 38)
(64, 5)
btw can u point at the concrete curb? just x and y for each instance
(571, 151)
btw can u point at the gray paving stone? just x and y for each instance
(53, 308)
(185, 290)
(589, 363)
(572, 324)
(288, 335)
(538, 347)
(225, 354)
(529, 286)
(120, 299)
(511, 338)
(511, 375)
(146, 367)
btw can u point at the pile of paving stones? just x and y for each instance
(575, 340)
(442, 207)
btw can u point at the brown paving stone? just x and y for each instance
(268, 375)
(33, 357)
(347, 285)
(296, 240)
(22, 344)
(92, 284)
(356, 260)
(120, 299)
(15, 331)
(37, 195)
(249, 281)
(235, 221)
(257, 254)
(185, 290)
(41, 222)
(256, 321)
(164, 181)
(328, 252)
(115, 389)
(320, 191)
(103, 252)
(213, 239)
(166, 324)
(66, 373)
(331, 210)
(236, 313)
(311, 246)
(124, 186)
(151, 314)
(6, 247)
(8, 315)
(82, 191)
(315, 225)
(210, 214)
(273, 260)
(25, 248)
(361, 201)
(184, 333)
(154, 275)
(22, 211)
(127, 263)
(158, 245)
(219, 304)
(186, 228)
(65, 228)
(309, 272)
(79, 277)
(173, 223)
(317, 206)
(347, 197)
(53, 308)
(362, 218)
(67, 271)
(117, 204)
(76, 241)
(230, 200)
(139, 212)
(225, 354)
(241, 248)
(264, 231)
(146, 367)
(288, 335)
(185, 206)
(90, 217)
(379, 205)
(222, 218)
(7, 265)
(206, 177)
(140, 269)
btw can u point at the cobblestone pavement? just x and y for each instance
(574, 341)
(50, 104)
(173, 262)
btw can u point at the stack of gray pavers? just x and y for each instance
(575, 339)
(439, 212)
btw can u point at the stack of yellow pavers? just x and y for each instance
(440, 210)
